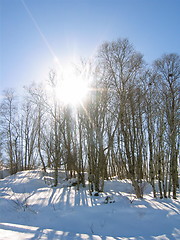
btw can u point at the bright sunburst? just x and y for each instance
(72, 90)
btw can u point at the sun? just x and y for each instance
(72, 90)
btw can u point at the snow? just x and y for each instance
(31, 209)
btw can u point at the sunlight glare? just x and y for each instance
(72, 89)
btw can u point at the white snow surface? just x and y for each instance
(32, 209)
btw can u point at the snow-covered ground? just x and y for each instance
(31, 209)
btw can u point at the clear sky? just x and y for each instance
(33, 33)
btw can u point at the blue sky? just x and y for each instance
(33, 33)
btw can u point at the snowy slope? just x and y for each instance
(31, 209)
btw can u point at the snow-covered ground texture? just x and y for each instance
(31, 209)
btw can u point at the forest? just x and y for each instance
(127, 125)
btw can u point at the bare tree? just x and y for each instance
(122, 66)
(168, 70)
(9, 123)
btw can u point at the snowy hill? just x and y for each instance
(31, 209)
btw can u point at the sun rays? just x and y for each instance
(72, 89)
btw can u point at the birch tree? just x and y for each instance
(168, 70)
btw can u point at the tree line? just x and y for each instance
(127, 126)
